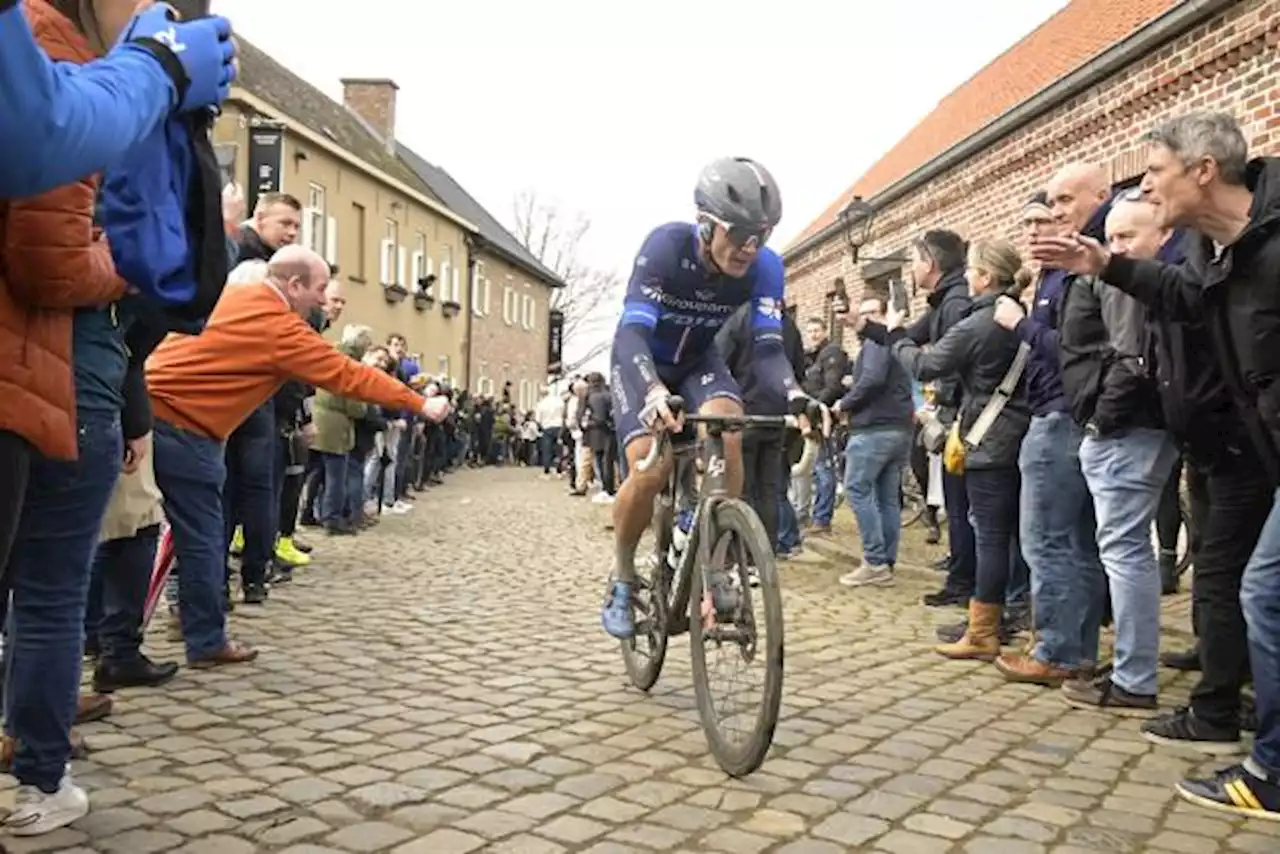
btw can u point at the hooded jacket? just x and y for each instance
(1232, 291)
(1102, 348)
(949, 303)
(978, 352)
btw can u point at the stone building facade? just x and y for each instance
(1084, 86)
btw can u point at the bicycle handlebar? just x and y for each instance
(733, 422)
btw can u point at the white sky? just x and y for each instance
(611, 108)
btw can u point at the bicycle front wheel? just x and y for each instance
(735, 617)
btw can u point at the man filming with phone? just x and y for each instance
(879, 409)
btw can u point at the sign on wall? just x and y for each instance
(266, 161)
(555, 342)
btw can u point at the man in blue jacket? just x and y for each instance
(879, 408)
(59, 122)
(1057, 529)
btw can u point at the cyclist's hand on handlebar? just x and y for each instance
(658, 414)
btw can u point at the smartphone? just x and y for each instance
(189, 10)
(898, 296)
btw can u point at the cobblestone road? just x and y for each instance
(441, 686)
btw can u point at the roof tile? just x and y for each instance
(1079, 32)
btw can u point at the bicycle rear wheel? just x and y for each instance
(728, 623)
(913, 498)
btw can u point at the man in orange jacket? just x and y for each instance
(202, 387)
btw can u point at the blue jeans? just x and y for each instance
(1059, 541)
(1260, 600)
(788, 524)
(1126, 473)
(355, 486)
(546, 448)
(993, 502)
(824, 489)
(962, 573)
(191, 471)
(62, 515)
(333, 501)
(117, 594)
(874, 460)
(249, 493)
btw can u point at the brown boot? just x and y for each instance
(92, 707)
(981, 641)
(1023, 667)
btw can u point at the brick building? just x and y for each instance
(1084, 86)
(416, 253)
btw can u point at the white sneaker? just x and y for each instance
(36, 813)
(868, 576)
(401, 507)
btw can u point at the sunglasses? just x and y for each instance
(746, 237)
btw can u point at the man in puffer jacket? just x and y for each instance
(334, 419)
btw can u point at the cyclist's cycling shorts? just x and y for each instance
(705, 378)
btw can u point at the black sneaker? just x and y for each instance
(1188, 660)
(255, 594)
(942, 564)
(1183, 728)
(1103, 695)
(946, 597)
(1237, 791)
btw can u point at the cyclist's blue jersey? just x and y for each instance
(675, 306)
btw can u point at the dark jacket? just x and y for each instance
(824, 370)
(948, 305)
(1194, 398)
(880, 397)
(1102, 348)
(597, 418)
(1039, 331)
(1234, 294)
(979, 353)
(735, 341)
(368, 426)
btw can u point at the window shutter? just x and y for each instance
(308, 231)
(385, 273)
(402, 262)
(331, 240)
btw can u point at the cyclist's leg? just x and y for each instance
(710, 389)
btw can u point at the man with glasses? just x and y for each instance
(687, 281)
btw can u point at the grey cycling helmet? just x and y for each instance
(740, 193)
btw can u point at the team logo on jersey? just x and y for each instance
(770, 308)
(641, 261)
(708, 379)
(707, 294)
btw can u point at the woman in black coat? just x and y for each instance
(980, 353)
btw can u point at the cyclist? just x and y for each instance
(687, 281)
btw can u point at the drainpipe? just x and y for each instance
(474, 244)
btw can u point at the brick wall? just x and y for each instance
(1231, 63)
(506, 343)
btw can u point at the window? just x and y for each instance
(527, 401)
(442, 365)
(420, 266)
(455, 291)
(358, 214)
(446, 273)
(510, 304)
(527, 312)
(389, 268)
(484, 385)
(477, 289)
(314, 221)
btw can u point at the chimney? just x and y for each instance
(374, 100)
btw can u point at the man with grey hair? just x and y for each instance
(1198, 176)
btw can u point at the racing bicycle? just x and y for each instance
(724, 570)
